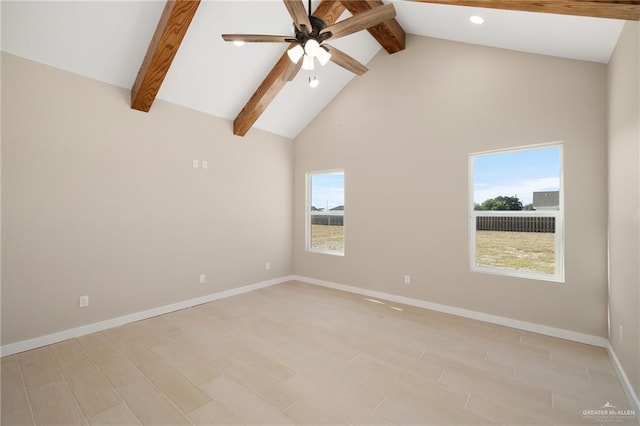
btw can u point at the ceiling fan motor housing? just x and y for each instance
(317, 25)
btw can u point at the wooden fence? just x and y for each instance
(333, 220)
(516, 223)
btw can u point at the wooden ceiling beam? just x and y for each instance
(172, 27)
(389, 33)
(614, 9)
(329, 11)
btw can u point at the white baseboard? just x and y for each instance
(624, 380)
(480, 316)
(25, 345)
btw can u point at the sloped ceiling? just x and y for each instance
(108, 40)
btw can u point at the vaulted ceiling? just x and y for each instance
(185, 61)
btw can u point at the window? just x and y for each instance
(516, 214)
(325, 212)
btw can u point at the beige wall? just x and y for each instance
(403, 133)
(624, 200)
(102, 200)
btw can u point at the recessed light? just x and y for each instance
(238, 42)
(477, 19)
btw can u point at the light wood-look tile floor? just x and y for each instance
(300, 354)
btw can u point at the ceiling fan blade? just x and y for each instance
(345, 61)
(258, 38)
(292, 71)
(361, 21)
(298, 13)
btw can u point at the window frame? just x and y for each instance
(558, 276)
(308, 204)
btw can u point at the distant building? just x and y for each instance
(546, 200)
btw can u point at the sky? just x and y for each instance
(516, 173)
(327, 189)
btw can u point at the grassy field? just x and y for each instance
(530, 251)
(327, 237)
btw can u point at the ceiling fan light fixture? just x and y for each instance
(323, 56)
(311, 48)
(295, 53)
(238, 42)
(313, 82)
(478, 20)
(307, 63)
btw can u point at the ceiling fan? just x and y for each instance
(311, 33)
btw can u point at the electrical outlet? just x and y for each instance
(621, 329)
(267, 266)
(84, 301)
(202, 278)
(407, 279)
